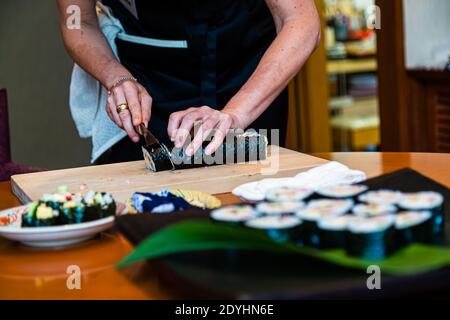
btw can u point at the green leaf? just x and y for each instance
(199, 235)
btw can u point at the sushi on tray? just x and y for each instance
(369, 224)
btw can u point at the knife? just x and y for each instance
(149, 138)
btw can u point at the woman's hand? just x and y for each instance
(210, 120)
(139, 104)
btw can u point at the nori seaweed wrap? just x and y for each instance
(333, 231)
(417, 227)
(249, 146)
(278, 228)
(371, 238)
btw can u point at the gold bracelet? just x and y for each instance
(119, 81)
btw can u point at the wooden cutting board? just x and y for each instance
(123, 179)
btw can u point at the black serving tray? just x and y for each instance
(262, 275)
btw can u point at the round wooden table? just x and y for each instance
(30, 273)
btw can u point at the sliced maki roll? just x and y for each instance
(417, 227)
(234, 214)
(332, 206)
(316, 211)
(342, 191)
(384, 196)
(373, 210)
(98, 205)
(287, 194)
(279, 208)
(157, 157)
(279, 228)
(428, 200)
(333, 231)
(371, 238)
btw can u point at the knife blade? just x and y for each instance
(149, 138)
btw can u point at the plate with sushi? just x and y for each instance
(60, 219)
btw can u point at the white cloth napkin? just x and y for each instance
(332, 173)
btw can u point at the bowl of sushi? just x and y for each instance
(368, 224)
(60, 219)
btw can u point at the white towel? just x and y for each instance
(332, 173)
(88, 96)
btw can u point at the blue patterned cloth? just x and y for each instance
(161, 202)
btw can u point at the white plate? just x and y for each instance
(56, 236)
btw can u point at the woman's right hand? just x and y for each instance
(139, 103)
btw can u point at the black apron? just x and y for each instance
(199, 52)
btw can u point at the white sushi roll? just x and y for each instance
(234, 214)
(428, 200)
(342, 191)
(330, 205)
(373, 210)
(279, 208)
(339, 223)
(384, 196)
(287, 194)
(274, 222)
(408, 219)
(371, 225)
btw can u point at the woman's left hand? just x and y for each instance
(218, 122)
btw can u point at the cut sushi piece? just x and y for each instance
(279, 228)
(418, 227)
(333, 231)
(329, 205)
(373, 210)
(342, 191)
(371, 238)
(384, 196)
(316, 211)
(428, 200)
(234, 214)
(287, 194)
(157, 157)
(279, 208)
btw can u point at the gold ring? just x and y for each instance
(122, 107)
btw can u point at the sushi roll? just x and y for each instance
(417, 227)
(329, 205)
(371, 238)
(428, 200)
(98, 205)
(157, 157)
(249, 146)
(373, 210)
(384, 196)
(65, 208)
(234, 214)
(279, 208)
(279, 228)
(342, 191)
(333, 231)
(316, 211)
(287, 194)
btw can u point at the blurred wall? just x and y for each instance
(35, 69)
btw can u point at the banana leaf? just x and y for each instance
(200, 235)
